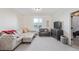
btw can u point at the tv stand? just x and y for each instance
(56, 33)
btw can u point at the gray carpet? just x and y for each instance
(45, 44)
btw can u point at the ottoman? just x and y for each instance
(28, 37)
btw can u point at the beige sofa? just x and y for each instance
(9, 42)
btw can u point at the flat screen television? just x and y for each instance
(57, 25)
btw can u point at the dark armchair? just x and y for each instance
(44, 32)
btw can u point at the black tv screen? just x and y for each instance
(57, 25)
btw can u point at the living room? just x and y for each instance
(23, 20)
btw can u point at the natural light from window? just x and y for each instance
(37, 20)
(37, 23)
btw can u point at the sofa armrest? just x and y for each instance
(8, 42)
(5, 43)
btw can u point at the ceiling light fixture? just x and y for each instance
(37, 9)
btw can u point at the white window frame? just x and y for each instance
(37, 22)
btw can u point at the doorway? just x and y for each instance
(75, 29)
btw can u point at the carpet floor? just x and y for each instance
(45, 44)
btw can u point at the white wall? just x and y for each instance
(27, 20)
(64, 15)
(8, 19)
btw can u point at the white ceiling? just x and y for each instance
(30, 11)
(44, 11)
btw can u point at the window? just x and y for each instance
(37, 23)
(37, 20)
